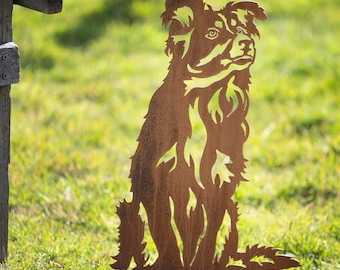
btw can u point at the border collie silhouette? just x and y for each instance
(189, 160)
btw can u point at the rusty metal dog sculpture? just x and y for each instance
(189, 158)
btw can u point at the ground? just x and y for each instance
(86, 81)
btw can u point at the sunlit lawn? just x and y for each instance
(87, 76)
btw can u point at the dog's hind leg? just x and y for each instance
(131, 233)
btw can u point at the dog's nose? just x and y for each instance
(246, 42)
(246, 45)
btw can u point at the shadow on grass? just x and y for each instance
(32, 59)
(92, 25)
(308, 193)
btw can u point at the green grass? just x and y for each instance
(87, 76)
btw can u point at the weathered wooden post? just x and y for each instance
(9, 74)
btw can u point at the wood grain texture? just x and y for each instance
(9, 64)
(44, 6)
(4, 192)
(6, 7)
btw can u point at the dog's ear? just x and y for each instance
(184, 15)
(180, 29)
(244, 12)
(254, 8)
(178, 9)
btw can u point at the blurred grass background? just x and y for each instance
(87, 77)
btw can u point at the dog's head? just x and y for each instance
(208, 36)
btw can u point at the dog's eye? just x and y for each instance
(212, 33)
(240, 30)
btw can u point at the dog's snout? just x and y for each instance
(246, 44)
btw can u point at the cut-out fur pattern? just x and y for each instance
(189, 158)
